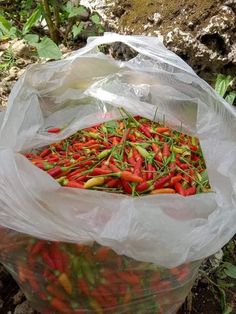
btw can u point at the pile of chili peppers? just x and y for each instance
(75, 279)
(133, 156)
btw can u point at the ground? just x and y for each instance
(202, 32)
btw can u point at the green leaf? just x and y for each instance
(5, 26)
(75, 11)
(33, 19)
(111, 124)
(227, 310)
(230, 270)
(13, 32)
(76, 30)
(95, 18)
(230, 98)
(222, 83)
(31, 38)
(47, 49)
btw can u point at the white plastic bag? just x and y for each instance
(85, 89)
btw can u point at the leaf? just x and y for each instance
(5, 25)
(230, 98)
(33, 19)
(230, 270)
(47, 49)
(75, 11)
(31, 38)
(227, 310)
(13, 32)
(95, 18)
(111, 124)
(222, 83)
(76, 30)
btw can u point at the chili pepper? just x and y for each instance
(177, 150)
(190, 191)
(126, 186)
(182, 165)
(166, 150)
(160, 183)
(60, 306)
(54, 130)
(143, 152)
(47, 259)
(176, 179)
(128, 176)
(113, 167)
(162, 129)
(100, 171)
(142, 186)
(113, 183)
(102, 253)
(45, 152)
(83, 287)
(55, 171)
(144, 130)
(38, 247)
(129, 277)
(56, 292)
(179, 188)
(131, 137)
(65, 282)
(104, 153)
(74, 184)
(94, 182)
(57, 257)
(137, 167)
(163, 191)
(150, 171)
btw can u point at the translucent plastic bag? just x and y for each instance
(72, 278)
(86, 89)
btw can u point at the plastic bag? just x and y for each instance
(86, 89)
(71, 278)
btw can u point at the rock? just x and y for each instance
(203, 33)
(24, 308)
(21, 49)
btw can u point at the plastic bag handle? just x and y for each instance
(152, 47)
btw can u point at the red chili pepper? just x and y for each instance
(56, 292)
(166, 150)
(115, 140)
(131, 137)
(142, 186)
(137, 155)
(150, 171)
(179, 188)
(113, 167)
(83, 287)
(137, 167)
(76, 156)
(182, 165)
(74, 184)
(128, 176)
(190, 191)
(54, 130)
(112, 183)
(194, 148)
(100, 171)
(47, 259)
(102, 253)
(61, 306)
(144, 130)
(45, 152)
(57, 257)
(155, 147)
(160, 183)
(129, 277)
(176, 179)
(55, 171)
(38, 247)
(126, 186)
(162, 130)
